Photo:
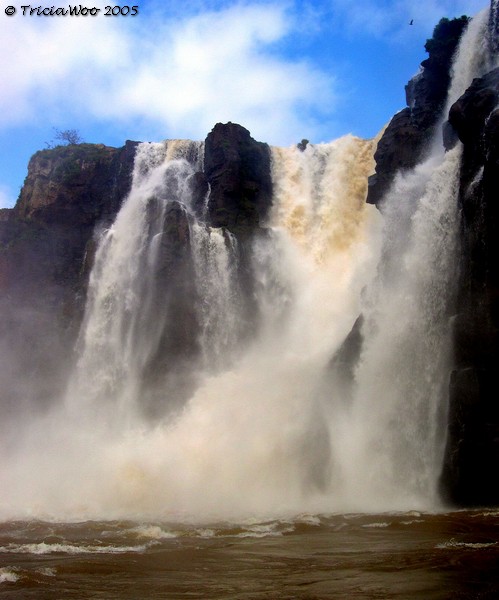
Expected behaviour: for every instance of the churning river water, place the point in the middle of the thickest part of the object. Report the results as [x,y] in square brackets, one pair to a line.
[385,556]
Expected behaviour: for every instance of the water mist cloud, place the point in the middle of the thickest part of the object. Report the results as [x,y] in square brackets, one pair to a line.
[178,74]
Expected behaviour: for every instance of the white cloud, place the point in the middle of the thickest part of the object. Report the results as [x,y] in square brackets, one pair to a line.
[183,75]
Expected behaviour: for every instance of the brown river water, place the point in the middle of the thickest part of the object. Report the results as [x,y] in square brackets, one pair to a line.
[392,555]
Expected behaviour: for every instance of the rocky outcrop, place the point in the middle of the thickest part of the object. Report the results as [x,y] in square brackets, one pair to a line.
[341,367]
[172,319]
[76,184]
[44,242]
[468,116]
[68,190]
[406,136]
[399,148]
[238,171]
[472,454]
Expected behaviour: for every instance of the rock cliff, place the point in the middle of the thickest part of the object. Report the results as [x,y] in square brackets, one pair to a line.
[472,456]
[407,134]
[402,145]
[44,242]
[238,171]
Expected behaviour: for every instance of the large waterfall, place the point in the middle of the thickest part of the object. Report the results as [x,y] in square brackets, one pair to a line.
[249,411]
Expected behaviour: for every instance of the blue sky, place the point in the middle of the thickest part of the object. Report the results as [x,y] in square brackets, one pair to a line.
[285,70]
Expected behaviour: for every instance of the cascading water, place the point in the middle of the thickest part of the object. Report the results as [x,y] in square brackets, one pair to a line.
[390,439]
[216,263]
[242,414]
[127,313]
[248,435]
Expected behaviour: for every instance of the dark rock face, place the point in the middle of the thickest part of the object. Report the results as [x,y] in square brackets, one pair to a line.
[468,116]
[472,455]
[199,189]
[44,241]
[77,184]
[68,191]
[238,171]
[342,365]
[404,140]
[426,93]
[167,373]
[399,148]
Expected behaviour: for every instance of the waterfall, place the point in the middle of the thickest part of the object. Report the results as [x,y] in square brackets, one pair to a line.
[186,404]
[473,58]
[494,26]
[127,313]
[320,211]
[216,264]
[389,441]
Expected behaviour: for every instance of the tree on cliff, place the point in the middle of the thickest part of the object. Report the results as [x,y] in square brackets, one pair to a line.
[64,137]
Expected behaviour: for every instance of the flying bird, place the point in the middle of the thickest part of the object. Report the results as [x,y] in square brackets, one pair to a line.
[412,21]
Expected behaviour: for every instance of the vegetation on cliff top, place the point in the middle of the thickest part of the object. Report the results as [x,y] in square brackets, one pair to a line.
[442,45]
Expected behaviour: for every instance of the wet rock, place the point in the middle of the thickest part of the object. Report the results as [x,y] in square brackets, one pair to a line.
[342,365]
[46,247]
[237,169]
[472,452]
[173,318]
[408,133]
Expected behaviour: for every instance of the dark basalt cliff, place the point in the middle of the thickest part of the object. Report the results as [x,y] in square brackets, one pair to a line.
[472,456]
[238,171]
[408,133]
[44,242]
[45,238]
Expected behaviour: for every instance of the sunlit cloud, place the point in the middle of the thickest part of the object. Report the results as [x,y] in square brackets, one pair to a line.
[183,75]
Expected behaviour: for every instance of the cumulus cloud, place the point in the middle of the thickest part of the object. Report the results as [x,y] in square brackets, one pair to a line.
[182,75]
